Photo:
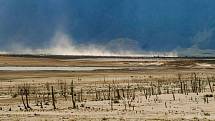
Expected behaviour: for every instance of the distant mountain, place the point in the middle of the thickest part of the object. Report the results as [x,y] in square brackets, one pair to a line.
[155,25]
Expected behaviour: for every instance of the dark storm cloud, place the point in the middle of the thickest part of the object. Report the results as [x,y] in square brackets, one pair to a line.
[155,25]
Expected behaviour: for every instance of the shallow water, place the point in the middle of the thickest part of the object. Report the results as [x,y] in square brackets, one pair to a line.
[54,68]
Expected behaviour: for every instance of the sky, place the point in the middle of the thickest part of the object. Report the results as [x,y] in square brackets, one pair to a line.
[186,27]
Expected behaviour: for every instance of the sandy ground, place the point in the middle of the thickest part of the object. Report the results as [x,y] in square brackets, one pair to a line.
[136,75]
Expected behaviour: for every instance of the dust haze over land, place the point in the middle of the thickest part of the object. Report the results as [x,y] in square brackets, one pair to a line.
[113,27]
[61,44]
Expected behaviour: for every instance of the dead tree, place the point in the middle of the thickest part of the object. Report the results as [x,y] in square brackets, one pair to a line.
[152,89]
[111,104]
[99,95]
[81,95]
[22,96]
[48,91]
[103,93]
[165,105]
[65,91]
[118,94]
[181,83]
[134,94]
[123,93]
[146,93]
[185,88]
[167,89]
[53,98]
[44,98]
[72,94]
[128,91]
[200,86]
[26,91]
[209,82]
[195,83]
[173,95]
[158,88]
[109,93]
[96,94]
[36,99]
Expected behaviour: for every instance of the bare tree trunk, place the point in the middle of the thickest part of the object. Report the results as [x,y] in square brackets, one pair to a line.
[72,93]
[22,96]
[26,97]
[36,98]
[195,83]
[53,98]
[181,83]
[118,94]
[81,95]
[173,95]
[209,82]
[96,94]
[111,104]
[146,93]
[104,95]
[159,89]
[41,104]
[123,93]
[48,90]
[200,87]
[134,94]
[128,91]
[152,89]
[109,93]
[185,88]
[65,91]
